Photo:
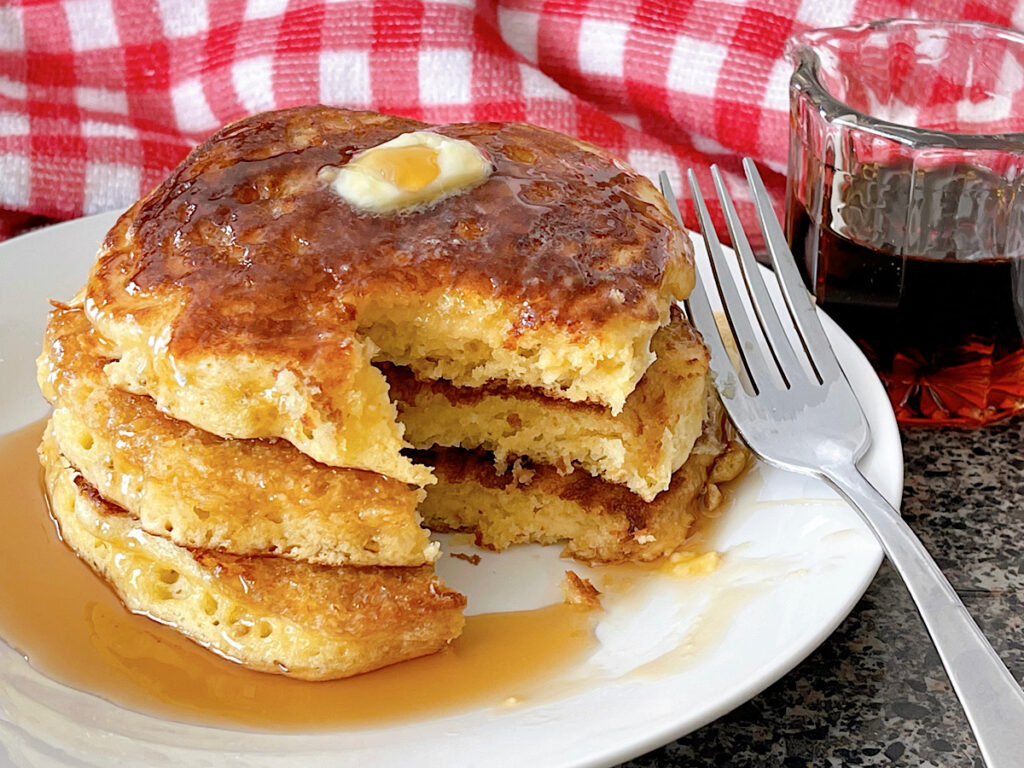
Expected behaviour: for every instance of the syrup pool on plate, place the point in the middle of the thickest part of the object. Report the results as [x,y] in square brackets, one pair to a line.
[73,628]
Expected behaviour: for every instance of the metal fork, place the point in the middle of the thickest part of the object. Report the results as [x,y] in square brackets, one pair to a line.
[806,418]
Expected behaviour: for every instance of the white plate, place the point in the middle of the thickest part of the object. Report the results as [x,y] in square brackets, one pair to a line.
[796,560]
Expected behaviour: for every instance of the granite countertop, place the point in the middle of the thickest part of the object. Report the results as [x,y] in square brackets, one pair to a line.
[875,694]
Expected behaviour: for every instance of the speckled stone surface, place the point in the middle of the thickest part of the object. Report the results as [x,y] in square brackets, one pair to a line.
[875,694]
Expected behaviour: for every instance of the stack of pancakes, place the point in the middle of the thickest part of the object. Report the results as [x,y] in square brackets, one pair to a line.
[239,388]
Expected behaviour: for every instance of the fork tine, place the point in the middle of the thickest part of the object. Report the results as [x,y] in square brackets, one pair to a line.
[698,307]
[801,308]
[764,308]
[758,368]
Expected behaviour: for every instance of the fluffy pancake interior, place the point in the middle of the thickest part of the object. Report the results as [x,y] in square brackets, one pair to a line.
[479,345]
[640,448]
[307,621]
[598,521]
[200,490]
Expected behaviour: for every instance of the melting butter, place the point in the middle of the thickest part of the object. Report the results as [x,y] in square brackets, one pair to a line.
[685,563]
[411,170]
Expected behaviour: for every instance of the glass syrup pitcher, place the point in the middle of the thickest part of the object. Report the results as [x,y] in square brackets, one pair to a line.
[905,209]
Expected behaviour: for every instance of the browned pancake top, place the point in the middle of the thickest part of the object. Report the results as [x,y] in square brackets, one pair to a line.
[260,251]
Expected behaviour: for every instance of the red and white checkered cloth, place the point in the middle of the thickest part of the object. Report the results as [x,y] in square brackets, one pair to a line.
[100,98]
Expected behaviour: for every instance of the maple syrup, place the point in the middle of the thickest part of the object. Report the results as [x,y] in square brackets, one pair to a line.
[72,627]
[896,262]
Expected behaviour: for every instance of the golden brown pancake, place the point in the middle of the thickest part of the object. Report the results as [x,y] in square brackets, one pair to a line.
[307,621]
[598,521]
[200,490]
[247,298]
[640,448]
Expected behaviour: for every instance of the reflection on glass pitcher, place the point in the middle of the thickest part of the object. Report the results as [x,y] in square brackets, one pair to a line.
[905,208]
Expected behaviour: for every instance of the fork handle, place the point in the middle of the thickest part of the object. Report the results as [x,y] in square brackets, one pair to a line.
[991,698]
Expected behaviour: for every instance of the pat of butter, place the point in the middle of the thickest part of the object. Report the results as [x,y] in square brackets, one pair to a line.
[685,563]
[411,170]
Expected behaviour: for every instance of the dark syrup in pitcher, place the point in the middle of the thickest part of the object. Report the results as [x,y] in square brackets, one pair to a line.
[943,331]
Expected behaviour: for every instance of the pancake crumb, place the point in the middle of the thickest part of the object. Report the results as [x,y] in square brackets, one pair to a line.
[579,591]
[522,475]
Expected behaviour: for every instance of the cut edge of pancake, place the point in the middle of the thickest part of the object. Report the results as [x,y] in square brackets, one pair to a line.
[598,521]
[600,367]
[640,448]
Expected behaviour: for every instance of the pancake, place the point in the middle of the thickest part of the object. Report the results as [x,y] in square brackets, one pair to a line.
[306,621]
[202,491]
[249,299]
[640,448]
[598,521]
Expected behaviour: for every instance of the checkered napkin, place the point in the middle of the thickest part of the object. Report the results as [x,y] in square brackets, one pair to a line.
[100,98]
